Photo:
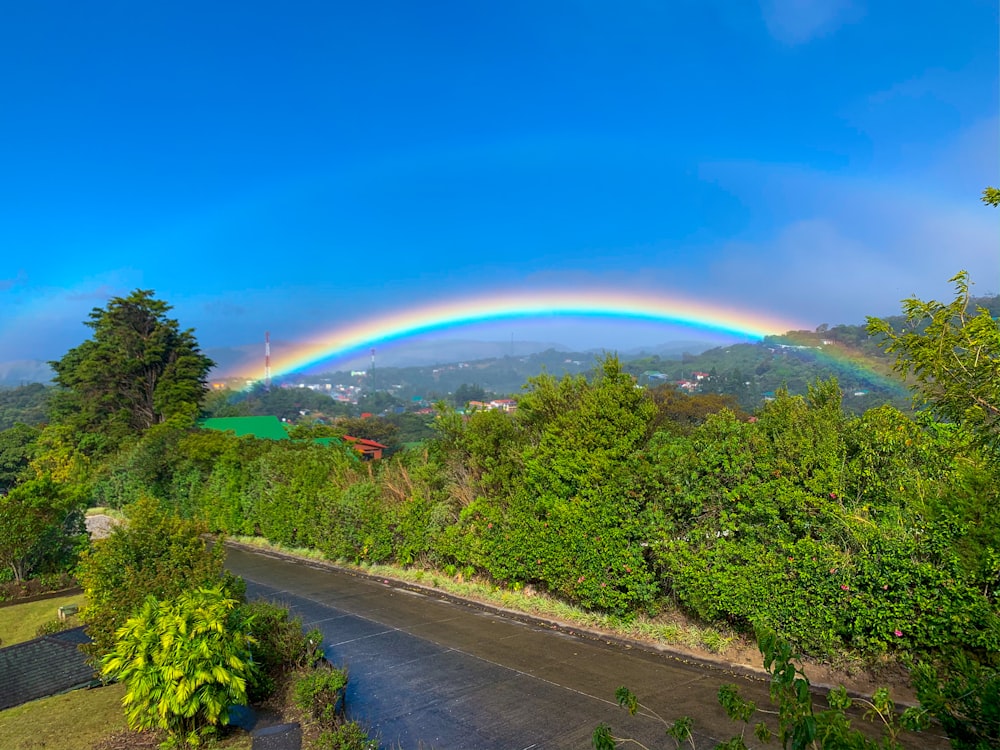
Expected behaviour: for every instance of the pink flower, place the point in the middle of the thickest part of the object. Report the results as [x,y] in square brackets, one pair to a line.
[580,579]
[489,526]
[898,633]
[832,571]
[885,587]
[845,587]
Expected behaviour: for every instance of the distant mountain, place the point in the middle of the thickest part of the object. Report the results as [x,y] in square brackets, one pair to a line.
[668,349]
[22,371]
[249,359]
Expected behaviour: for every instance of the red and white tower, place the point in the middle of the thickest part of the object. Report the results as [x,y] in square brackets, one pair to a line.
[267,359]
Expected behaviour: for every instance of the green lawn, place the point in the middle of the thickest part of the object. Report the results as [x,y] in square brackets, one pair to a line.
[71,721]
[77,721]
[19,622]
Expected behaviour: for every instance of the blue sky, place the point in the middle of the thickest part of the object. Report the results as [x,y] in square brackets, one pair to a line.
[288,167]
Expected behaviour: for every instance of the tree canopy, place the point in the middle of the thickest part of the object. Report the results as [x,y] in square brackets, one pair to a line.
[953,355]
[139,369]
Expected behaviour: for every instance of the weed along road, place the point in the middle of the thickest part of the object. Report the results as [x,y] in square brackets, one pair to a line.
[427,672]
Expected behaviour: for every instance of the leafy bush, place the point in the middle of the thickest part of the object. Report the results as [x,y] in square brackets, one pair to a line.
[347,736]
[56,625]
[320,693]
[278,645]
[184,662]
[156,554]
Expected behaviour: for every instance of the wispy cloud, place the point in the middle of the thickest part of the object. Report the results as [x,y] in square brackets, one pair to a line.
[20,280]
[800,21]
[842,248]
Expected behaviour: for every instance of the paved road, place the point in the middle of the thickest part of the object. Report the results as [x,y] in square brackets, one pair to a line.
[427,672]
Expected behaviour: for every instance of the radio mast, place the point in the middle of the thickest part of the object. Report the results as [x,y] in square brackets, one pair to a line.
[267,360]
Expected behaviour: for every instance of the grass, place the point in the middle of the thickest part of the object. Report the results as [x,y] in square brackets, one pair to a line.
[77,720]
[19,622]
[64,722]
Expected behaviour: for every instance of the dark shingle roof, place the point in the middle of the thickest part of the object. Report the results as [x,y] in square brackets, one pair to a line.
[44,666]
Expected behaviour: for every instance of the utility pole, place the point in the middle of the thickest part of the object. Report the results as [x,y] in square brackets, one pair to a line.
[267,360]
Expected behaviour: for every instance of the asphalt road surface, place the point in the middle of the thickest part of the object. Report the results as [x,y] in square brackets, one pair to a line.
[428,673]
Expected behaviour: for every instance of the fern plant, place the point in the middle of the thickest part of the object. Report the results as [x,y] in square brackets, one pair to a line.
[184,662]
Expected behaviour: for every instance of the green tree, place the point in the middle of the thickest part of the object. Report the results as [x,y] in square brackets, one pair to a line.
[378,402]
[16,452]
[466,393]
[139,369]
[154,553]
[683,412]
[41,527]
[26,403]
[379,429]
[954,358]
[184,662]
[572,518]
[953,355]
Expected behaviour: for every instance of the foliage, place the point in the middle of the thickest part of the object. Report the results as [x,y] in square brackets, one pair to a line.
[184,662]
[371,428]
[16,451]
[558,491]
[682,412]
[953,356]
[154,553]
[964,696]
[954,359]
[377,402]
[347,736]
[55,625]
[138,370]
[25,404]
[285,403]
[799,725]
[832,531]
[278,645]
[41,528]
[468,392]
[142,467]
[679,729]
[413,428]
[320,693]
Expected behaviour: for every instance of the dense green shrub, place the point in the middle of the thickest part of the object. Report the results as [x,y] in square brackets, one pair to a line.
[320,693]
[41,528]
[347,736]
[154,553]
[184,662]
[278,645]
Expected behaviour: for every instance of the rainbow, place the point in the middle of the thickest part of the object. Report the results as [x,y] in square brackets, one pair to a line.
[350,339]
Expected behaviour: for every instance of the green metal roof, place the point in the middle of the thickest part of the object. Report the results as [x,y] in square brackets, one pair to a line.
[264,428]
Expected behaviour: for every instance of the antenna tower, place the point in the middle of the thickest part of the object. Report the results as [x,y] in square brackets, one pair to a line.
[267,359]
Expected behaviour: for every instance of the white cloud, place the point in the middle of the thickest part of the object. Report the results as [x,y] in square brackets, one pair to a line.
[833,249]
